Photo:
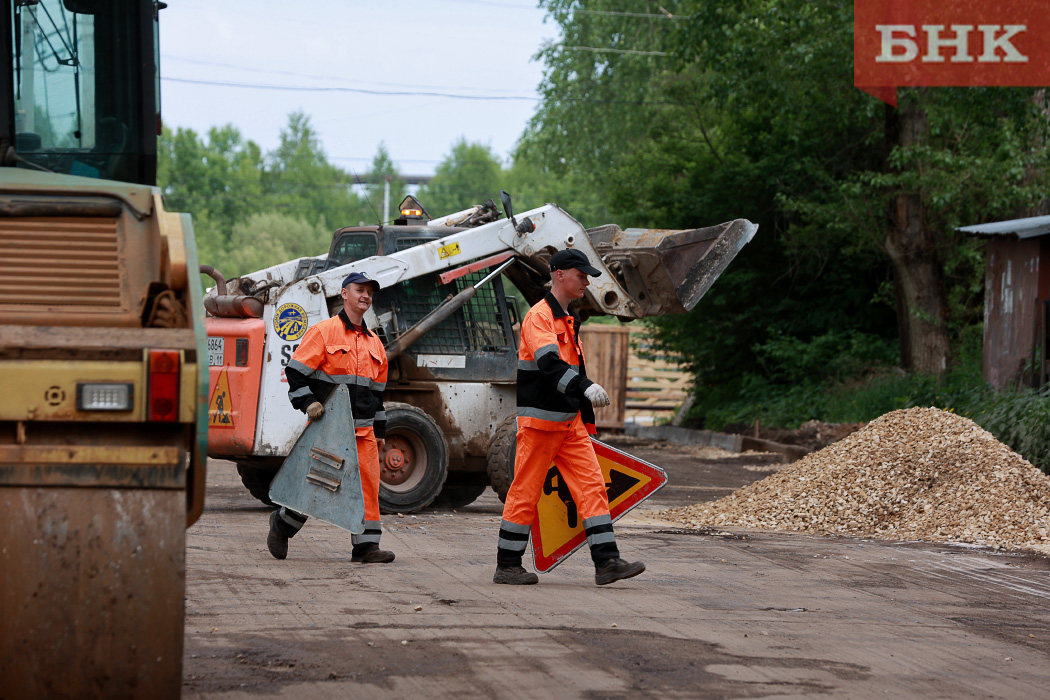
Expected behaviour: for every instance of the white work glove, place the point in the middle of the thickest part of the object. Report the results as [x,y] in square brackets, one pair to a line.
[315,410]
[597,396]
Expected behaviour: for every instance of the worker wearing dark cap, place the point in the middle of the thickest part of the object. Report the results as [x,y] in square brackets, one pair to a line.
[555,420]
[340,350]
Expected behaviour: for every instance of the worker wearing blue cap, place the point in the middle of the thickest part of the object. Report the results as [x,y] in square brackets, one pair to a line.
[340,350]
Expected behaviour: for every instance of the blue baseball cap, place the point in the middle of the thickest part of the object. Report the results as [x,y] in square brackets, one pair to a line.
[361,278]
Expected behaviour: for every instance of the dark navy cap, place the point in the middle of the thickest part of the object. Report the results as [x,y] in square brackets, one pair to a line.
[569,258]
[361,278]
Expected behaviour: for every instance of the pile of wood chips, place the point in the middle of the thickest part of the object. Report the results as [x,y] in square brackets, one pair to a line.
[914,474]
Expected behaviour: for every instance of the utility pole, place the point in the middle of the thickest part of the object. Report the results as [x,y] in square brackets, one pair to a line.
[386,199]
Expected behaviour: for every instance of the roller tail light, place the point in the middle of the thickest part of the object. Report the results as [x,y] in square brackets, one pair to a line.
[163,388]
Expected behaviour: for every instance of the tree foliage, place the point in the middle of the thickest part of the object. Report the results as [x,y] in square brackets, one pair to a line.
[470,174]
[252,210]
[685,114]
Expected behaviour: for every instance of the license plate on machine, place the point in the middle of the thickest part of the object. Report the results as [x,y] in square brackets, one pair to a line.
[216,349]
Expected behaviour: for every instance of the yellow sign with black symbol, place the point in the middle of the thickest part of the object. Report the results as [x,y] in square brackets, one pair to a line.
[557,531]
[220,408]
[447,251]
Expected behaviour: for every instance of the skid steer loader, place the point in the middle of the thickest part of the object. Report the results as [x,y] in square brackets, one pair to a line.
[449,332]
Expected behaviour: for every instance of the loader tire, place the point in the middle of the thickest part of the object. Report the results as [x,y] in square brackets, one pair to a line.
[257,481]
[459,491]
[413,463]
[501,457]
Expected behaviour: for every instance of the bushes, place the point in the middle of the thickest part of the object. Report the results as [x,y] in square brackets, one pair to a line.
[1019,418]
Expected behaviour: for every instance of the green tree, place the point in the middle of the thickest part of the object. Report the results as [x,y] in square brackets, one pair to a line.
[300,182]
[469,175]
[269,238]
[862,176]
[756,116]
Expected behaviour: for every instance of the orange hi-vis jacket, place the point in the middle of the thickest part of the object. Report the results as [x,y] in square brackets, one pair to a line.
[552,375]
[335,351]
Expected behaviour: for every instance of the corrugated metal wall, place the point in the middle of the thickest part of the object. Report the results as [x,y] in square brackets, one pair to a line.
[1014,287]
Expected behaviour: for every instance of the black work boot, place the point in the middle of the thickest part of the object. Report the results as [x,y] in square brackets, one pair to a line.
[276,541]
[515,576]
[616,569]
[371,554]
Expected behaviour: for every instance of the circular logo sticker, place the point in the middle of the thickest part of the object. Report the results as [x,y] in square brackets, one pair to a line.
[290,321]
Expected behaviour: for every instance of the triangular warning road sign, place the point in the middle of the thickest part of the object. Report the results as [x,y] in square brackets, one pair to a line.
[321,477]
[220,407]
[557,531]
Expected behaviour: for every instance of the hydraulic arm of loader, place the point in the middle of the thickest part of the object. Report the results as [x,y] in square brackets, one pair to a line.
[645,272]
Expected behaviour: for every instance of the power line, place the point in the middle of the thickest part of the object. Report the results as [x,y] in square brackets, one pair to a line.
[252,69]
[614,13]
[559,98]
[307,88]
[598,49]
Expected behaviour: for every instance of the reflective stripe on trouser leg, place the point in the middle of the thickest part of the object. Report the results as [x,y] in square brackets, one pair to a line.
[600,538]
[512,541]
[532,459]
[373,530]
[368,465]
[290,522]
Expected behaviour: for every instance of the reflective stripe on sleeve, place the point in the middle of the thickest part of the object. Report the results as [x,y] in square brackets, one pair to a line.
[553,347]
[567,377]
[301,368]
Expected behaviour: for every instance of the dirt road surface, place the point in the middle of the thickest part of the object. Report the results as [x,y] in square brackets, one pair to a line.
[718,614]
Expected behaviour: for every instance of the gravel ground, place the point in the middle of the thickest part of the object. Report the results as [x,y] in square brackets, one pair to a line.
[915,474]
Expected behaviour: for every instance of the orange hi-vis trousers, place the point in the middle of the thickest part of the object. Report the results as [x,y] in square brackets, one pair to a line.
[290,522]
[572,452]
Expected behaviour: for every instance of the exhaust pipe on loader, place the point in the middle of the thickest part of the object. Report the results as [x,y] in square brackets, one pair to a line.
[225,305]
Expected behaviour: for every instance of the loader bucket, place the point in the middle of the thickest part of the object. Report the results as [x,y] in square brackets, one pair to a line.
[666,272]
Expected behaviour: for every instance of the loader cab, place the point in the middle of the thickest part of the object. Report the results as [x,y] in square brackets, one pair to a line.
[476,343]
[81,88]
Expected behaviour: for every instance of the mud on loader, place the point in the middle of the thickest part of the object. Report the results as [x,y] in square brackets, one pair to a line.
[448,329]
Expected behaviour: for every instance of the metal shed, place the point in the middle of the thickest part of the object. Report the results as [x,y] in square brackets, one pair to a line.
[1016,298]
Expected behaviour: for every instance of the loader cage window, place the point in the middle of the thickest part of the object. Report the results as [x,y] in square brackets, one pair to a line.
[482,325]
[354,246]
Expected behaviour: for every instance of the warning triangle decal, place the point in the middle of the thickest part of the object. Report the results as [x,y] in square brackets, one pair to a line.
[220,407]
[557,531]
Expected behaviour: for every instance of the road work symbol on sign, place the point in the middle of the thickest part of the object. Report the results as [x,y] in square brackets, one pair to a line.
[558,530]
[220,408]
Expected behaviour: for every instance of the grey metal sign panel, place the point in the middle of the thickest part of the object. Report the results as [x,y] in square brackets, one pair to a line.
[320,477]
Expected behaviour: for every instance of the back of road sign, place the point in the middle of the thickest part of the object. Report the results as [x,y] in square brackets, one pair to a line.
[320,477]
[558,530]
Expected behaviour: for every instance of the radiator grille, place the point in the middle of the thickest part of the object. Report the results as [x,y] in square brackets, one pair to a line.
[71,263]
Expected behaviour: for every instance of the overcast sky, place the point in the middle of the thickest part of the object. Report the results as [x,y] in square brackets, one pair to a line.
[354,49]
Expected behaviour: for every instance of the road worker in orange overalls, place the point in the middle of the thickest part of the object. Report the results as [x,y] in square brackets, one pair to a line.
[556,404]
[340,350]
